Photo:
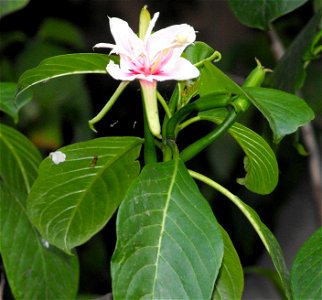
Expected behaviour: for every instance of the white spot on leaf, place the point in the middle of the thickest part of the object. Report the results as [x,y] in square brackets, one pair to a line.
[57,157]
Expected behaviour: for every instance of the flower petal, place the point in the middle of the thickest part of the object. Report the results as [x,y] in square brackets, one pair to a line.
[103,46]
[176,36]
[120,74]
[126,40]
[151,26]
[182,69]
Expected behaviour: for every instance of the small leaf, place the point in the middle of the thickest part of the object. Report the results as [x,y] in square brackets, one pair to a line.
[198,52]
[63,65]
[213,80]
[306,275]
[169,244]
[230,281]
[260,13]
[8,103]
[71,201]
[9,6]
[260,161]
[285,112]
[290,70]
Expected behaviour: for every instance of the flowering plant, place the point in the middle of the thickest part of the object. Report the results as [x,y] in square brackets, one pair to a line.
[169,242]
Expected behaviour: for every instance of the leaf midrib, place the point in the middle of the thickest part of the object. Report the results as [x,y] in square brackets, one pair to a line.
[163,224]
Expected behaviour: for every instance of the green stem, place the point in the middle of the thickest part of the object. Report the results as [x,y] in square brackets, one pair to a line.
[193,149]
[108,105]
[164,105]
[189,122]
[216,56]
[239,203]
[149,151]
[204,103]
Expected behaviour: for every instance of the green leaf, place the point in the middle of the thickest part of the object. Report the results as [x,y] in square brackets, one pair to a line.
[62,65]
[169,244]
[73,200]
[306,275]
[230,281]
[261,13]
[271,244]
[19,160]
[51,30]
[213,80]
[285,112]
[260,161]
[268,239]
[8,103]
[289,74]
[198,52]
[35,270]
[9,6]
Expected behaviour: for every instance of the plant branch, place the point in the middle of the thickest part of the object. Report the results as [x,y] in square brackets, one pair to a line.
[108,105]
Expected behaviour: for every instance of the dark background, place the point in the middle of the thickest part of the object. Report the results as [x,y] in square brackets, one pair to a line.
[289,211]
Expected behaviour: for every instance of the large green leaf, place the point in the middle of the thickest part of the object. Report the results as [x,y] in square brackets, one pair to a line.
[9,6]
[62,65]
[285,112]
[73,200]
[169,244]
[35,270]
[271,244]
[230,281]
[289,73]
[306,274]
[8,103]
[260,13]
[19,160]
[260,161]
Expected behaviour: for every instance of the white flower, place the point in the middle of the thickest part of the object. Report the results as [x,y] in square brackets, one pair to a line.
[57,157]
[155,57]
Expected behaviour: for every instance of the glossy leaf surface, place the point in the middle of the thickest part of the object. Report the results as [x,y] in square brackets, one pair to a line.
[306,275]
[285,112]
[34,269]
[73,200]
[197,52]
[230,281]
[260,13]
[8,103]
[169,244]
[62,65]
[213,80]
[19,160]
[260,162]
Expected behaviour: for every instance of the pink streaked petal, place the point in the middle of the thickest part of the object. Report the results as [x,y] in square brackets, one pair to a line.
[181,70]
[126,40]
[169,37]
[119,74]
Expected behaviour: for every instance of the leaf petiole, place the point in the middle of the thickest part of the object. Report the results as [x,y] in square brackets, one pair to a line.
[108,105]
